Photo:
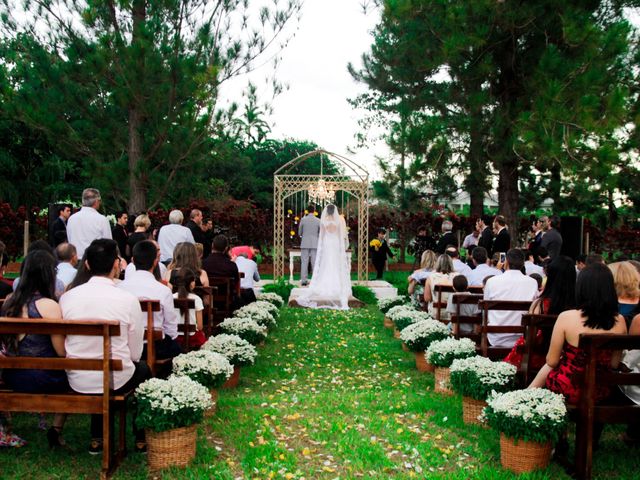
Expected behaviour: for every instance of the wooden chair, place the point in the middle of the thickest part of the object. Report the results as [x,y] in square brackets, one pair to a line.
[185,328]
[152,334]
[499,306]
[439,304]
[206,294]
[588,412]
[459,299]
[222,300]
[105,404]
[537,336]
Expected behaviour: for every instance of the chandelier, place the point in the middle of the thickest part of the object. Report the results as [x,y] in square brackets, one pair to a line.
[321,192]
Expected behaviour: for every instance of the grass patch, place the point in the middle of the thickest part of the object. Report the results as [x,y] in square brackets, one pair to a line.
[364,294]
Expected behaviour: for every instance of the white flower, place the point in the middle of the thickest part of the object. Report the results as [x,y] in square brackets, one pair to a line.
[450,348]
[487,371]
[399,310]
[423,329]
[243,325]
[175,394]
[535,405]
[237,350]
[263,313]
[386,303]
[205,363]
[271,297]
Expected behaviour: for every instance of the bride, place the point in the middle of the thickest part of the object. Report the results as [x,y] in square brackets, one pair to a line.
[330,285]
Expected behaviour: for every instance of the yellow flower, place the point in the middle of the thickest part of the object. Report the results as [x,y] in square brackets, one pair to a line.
[289,211]
[306,211]
[315,213]
[375,243]
[296,218]
[292,233]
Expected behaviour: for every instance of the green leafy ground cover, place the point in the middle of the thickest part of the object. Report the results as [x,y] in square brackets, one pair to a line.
[332,396]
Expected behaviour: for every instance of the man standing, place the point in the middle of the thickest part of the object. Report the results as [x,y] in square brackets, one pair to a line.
[486,235]
[58,229]
[502,242]
[511,285]
[195,225]
[447,237]
[551,238]
[309,231]
[120,234]
[379,253]
[88,225]
[171,235]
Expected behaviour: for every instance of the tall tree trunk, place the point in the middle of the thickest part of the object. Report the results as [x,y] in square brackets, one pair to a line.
[508,196]
[555,186]
[477,176]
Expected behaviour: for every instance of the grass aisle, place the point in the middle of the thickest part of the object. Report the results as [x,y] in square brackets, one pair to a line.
[332,396]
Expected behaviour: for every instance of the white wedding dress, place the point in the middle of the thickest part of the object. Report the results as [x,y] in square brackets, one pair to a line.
[330,286]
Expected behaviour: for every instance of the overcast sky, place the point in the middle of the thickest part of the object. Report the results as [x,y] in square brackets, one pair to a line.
[331,34]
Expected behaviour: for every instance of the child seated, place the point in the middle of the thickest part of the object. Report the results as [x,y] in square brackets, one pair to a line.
[461,285]
[183,287]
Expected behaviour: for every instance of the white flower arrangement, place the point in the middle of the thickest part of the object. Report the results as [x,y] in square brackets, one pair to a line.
[399,310]
[405,318]
[534,414]
[239,352]
[418,336]
[258,314]
[206,367]
[477,376]
[246,328]
[271,297]
[172,403]
[387,304]
[442,353]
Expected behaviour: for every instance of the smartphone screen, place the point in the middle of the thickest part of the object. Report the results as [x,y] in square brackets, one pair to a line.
[503,257]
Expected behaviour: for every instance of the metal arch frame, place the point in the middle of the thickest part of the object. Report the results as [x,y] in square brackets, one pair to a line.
[355,183]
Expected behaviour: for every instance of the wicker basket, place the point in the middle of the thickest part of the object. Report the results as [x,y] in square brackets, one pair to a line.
[443,380]
[233,379]
[521,456]
[175,447]
[471,410]
[421,362]
[396,333]
[387,322]
[214,400]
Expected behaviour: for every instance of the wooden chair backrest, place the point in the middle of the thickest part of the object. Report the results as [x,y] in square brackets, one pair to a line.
[185,305]
[499,305]
[150,307]
[206,294]
[459,299]
[222,301]
[439,304]
[535,344]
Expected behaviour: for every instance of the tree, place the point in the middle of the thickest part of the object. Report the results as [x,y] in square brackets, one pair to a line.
[131,86]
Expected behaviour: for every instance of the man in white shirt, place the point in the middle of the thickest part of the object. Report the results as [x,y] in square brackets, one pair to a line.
[250,270]
[171,235]
[100,298]
[482,270]
[87,225]
[458,265]
[530,267]
[162,268]
[144,286]
[68,259]
[511,285]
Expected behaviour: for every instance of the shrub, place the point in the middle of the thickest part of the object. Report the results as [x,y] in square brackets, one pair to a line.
[281,287]
[477,377]
[407,317]
[364,294]
[387,304]
[271,297]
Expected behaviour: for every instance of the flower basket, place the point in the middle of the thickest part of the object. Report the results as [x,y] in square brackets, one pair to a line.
[239,352]
[402,319]
[246,328]
[442,353]
[472,410]
[477,377]
[521,456]
[443,380]
[405,348]
[271,297]
[387,304]
[233,379]
[421,363]
[396,333]
[208,368]
[171,448]
[387,322]
[418,336]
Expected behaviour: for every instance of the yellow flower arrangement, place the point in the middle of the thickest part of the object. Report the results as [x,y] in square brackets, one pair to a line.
[375,243]
[292,233]
[315,213]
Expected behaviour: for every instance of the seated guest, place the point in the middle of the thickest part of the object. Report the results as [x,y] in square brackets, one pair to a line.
[249,251]
[511,285]
[443,275]
[458,265]
[427,265]
[160,272]
[43,246]
[145,286]
[35,298]
[184,282]
[538,278]
[581,262]
[250,270]
[186,256]
[596,312]
[482,268]
[218,264]
[171,235]
[627,282]
[67,261]
[461,285]
[100,298]
[529,266]
[5,284]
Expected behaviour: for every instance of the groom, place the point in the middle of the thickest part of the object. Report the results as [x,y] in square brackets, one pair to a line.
[309,230]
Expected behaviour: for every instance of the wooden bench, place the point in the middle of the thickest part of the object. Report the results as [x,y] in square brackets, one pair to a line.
[459,299]
[588,412]
[496,353]
[71,402]
[537,337]
[439,304]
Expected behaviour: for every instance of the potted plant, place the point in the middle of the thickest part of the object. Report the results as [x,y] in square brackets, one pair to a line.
[239,352]
[530,422]
[206,367]
[263,313]
[397,311]
[387,304]
[168,411]
[245,328]
[441,355]
[271,297]
[475,378]
[404,318]
[418,336]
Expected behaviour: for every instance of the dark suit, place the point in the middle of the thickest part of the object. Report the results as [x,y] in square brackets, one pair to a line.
[552,241]
[446,239]
[379,258]
[121,236]
[535,244]
[198,235]
[486,240]
[220,265]
[57,232]
[502,242]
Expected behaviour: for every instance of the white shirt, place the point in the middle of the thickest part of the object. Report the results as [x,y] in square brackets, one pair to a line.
[85,226]
[170,236]
[100,298]
[470,240]
[481,272]
[132,268]
[250,270]
[66,273]
[145,286]
[511,285]
[420,275]
[460,267]
[199,306]
[531,267]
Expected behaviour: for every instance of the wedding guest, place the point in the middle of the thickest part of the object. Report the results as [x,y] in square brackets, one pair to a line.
[159,272]
[183,284]
[627,282]
[483,225]
[218,264]
[458,265]
[67,262]
[421,244]
[249,251]
[443,274]
[461,286]
[120,235]
[596,312]
[551,238]
[173,234]
[502,240]
[529,265]
[58,229]
[251,275]
[141,232]
[35,298]
[536,237]
[471,240]
[427,265]
[87,224]
[380,250]
[99,297]
[632,361]
[195,225]
[185,255]
[41,245]
[144,285]
[482,268]
[447,238]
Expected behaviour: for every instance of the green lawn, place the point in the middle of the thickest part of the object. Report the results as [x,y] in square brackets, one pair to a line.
[331,396]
